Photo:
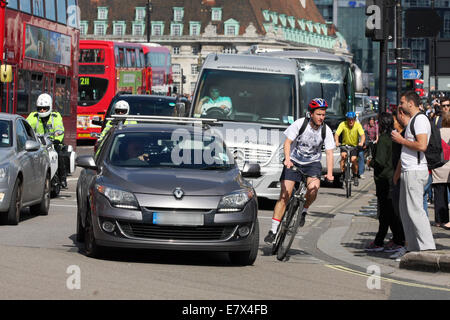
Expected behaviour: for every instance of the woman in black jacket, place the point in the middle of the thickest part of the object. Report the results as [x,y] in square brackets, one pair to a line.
[383,174]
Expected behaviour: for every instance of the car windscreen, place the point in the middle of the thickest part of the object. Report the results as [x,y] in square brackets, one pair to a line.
[246,96]
[150,106]
[173,149]
[328,80]
[5,134]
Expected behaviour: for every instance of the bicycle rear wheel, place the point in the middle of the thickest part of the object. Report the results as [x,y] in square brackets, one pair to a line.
[348,182]
[289,230]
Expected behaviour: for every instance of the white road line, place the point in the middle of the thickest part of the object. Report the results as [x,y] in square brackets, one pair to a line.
[62,205]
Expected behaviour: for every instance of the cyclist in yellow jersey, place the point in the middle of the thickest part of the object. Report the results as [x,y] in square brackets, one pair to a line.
[351,131]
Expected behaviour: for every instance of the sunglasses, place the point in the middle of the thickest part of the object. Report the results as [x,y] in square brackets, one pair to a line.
[445,105]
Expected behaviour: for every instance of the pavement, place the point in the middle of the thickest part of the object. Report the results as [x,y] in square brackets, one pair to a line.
[355,223]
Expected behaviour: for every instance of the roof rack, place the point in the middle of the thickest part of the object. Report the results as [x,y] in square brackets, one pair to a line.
[164,119]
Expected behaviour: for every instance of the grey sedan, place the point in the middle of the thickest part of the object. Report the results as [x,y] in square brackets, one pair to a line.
[165,187]
[24,170]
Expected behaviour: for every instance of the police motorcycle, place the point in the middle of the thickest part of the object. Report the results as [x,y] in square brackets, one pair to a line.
[70,156]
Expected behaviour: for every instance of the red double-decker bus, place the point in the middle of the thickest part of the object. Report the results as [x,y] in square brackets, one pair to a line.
[40,43]
[159,69]
[106,67]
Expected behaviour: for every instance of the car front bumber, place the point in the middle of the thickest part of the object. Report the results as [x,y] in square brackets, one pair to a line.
[136,228]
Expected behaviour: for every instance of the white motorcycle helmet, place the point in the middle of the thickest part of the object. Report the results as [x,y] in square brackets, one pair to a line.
[44,101]
[121,106]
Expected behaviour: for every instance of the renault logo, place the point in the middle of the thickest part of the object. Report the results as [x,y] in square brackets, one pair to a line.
[178,193]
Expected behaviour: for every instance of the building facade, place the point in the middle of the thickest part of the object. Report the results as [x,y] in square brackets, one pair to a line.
[351,24]
[191,29]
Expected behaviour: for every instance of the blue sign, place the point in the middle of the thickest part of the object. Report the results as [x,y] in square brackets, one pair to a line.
[410,74]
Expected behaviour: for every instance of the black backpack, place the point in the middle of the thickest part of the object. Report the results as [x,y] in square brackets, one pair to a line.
[434,153]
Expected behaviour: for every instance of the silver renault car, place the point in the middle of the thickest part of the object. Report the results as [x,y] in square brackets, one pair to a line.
[166,186]
[24,170]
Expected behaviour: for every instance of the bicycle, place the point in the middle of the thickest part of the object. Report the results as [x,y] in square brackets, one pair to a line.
[291,219]
[348,170]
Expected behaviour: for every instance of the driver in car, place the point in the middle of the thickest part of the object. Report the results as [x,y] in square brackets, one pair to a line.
[215,101]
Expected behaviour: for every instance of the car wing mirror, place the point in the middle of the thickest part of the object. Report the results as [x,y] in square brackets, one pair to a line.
[31,146]
[97,121]
[86,162]
[251,170]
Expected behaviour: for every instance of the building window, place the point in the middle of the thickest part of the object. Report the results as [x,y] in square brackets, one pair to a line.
[83,27]
[140,14]
[446,25]
[138,29]
[195,49]
[231,27]
[102,13]
[216,14]
[178,14]
[119,28]
[99,28]
[176,50]
[176,68]
[176,29]
[157,28]
[194,68]
[194,28]
[229,49]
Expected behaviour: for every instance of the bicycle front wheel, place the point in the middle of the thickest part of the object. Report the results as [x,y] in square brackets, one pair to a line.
[289,230]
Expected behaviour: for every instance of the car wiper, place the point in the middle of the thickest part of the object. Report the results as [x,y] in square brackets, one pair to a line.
[216,168]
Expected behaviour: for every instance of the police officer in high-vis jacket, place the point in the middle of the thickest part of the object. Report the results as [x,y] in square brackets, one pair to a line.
[45,120]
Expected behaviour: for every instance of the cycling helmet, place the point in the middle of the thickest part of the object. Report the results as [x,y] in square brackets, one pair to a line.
[123,106]
[44,102]
[350,115]
[317,103]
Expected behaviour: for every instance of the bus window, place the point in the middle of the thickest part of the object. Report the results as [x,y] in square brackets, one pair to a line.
[142,57]
[132,54]
[61,13]
[12,4]
[25,6]
[138,58]
[37,85]
[38,8]
[23,91]
[50,12]
[128,64]
[121,62]
[62,96]
[92,56]
[91,90]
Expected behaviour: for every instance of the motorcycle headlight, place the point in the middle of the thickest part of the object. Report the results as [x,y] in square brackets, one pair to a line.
[119,198]
[235,201]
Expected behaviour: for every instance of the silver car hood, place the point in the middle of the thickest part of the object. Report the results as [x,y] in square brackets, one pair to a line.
[163,181]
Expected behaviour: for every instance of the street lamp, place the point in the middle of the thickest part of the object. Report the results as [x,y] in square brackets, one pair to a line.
[149,8]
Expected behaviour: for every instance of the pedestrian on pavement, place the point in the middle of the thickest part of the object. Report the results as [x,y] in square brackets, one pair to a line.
[412,171]
[441,179]
[444,107]
[371,130]
[383,174]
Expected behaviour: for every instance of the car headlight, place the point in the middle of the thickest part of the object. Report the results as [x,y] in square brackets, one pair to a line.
[235,201]
[3,173]
[119,198]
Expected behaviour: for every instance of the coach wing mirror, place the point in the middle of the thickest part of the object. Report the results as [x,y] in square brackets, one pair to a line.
[181,109]
[86,162]
[357,75]
[97,121]
[251,170]
[5,73]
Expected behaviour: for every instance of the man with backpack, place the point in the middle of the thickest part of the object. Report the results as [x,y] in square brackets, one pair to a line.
[412,170]
[303,148]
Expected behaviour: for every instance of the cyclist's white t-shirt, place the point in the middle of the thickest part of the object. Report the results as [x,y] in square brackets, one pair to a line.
[306,148]
[409,156]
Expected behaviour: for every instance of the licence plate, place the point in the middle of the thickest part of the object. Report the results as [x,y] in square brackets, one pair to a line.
[84,135]
[178,219]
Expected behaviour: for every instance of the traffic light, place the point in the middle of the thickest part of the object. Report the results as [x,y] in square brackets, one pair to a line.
[380,19]
[183,79]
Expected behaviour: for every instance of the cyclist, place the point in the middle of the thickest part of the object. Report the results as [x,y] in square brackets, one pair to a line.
[305,151]
[352,131]
[44,120]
